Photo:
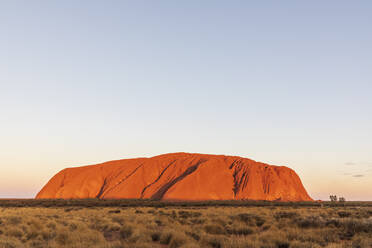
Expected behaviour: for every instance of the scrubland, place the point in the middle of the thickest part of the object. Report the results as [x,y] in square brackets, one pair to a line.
[187,226]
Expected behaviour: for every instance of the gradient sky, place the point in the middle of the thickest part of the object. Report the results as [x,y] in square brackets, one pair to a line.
[283,82]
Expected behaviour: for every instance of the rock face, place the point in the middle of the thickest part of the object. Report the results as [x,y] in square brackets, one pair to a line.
[178,176]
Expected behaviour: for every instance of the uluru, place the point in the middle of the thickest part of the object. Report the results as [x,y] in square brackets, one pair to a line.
[178,176]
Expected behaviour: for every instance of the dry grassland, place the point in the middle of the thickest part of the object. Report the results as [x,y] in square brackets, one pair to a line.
[188,227]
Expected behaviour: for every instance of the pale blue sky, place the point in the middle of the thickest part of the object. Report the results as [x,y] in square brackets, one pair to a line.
[287,83]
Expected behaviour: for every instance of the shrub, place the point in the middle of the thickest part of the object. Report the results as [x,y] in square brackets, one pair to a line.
[114,211]
[63,238]
[69,209]
[118,219]
[353,226]
[333,198]
[32,235]
[344,214]
[177,241]
[281,244]
[9,244]
[214,229]
[14,232]
[246,218]
[240,231]
[332,223]
[197,221]
[194,235]
[188,214]
[155,236]
[159,222]
[112,227]
[51,225]
[259,221]
[360,243]
[14,220]
[48,235]
[250,219]
[36,244]
[285,215]
[309,222]
[126,232]
[212,241]
[166,238]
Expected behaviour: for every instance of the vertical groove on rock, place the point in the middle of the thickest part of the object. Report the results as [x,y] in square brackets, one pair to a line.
[235,175]
[239,176]
[265,181]
[63,180]
[122,180]
[161,192]
[157,179]
[102,188]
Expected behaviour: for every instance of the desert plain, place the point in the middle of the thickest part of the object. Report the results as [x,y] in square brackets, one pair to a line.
[216,224]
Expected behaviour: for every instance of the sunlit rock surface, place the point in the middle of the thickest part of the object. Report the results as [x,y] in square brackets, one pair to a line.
[178,176]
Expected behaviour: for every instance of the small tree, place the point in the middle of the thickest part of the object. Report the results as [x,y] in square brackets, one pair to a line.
[333,198]
[341,199]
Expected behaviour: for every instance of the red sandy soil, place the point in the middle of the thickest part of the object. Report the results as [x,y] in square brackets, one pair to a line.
[178,176]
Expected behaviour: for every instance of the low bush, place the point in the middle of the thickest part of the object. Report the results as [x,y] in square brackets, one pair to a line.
[214,229]
[117,211]
[344,214]
[126,232]
[309,222]
[240,231]
[285,215]
[166,238]
[14,220]
[155,236]
[212,241]
[188,214]
[194,235]
[250,219]
[177,240]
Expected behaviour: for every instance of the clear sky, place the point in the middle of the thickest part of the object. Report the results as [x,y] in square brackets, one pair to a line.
[283,82]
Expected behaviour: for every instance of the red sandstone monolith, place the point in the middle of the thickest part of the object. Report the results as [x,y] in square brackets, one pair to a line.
[178,176]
